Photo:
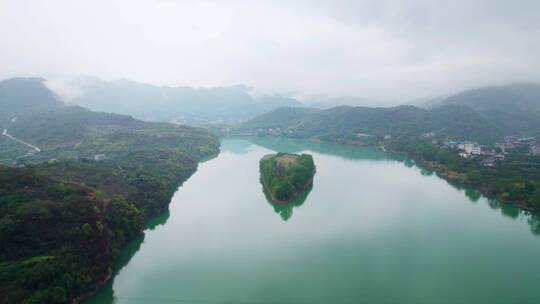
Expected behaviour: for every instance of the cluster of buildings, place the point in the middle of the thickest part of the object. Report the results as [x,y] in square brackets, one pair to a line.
[99,157]
[469,149]
[466,148]
[513,142]
[492,160]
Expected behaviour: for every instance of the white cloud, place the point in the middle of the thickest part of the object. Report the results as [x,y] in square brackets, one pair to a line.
[63,88]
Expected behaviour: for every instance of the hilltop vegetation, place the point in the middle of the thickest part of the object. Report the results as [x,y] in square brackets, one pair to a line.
[286,175]
[74,132]
[281,117]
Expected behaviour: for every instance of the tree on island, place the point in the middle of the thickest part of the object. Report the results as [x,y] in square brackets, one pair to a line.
[285,175]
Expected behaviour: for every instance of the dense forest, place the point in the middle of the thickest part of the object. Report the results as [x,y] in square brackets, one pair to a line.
[57,238]
[286,175]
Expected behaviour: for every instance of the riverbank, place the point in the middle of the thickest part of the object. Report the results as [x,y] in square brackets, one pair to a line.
[463,180]
[460,180]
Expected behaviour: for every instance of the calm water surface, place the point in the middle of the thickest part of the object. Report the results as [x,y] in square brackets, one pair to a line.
[372,230]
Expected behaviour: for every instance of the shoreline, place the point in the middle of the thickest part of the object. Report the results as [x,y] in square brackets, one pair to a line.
[444,173]
[99,285]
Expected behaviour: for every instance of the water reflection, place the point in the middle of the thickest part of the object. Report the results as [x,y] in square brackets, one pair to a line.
[534,224]
[159,220]
[298,145]
[236,146]
[510,211]
[285,210]
[426,171]
[473,195]
[106,293]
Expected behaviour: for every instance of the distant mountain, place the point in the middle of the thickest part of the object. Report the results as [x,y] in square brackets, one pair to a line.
[426,103]
[462,122]
[281,117]
[172,104]
[353,101]
[345,122]
[515,109]
[24,95]
[272,102]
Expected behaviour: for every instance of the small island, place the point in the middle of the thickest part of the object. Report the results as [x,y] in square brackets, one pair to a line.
[286,176]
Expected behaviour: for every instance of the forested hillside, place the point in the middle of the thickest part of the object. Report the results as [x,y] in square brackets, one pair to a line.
[484,115]
[74,132]
[281,117]
[513,108]
[350,123]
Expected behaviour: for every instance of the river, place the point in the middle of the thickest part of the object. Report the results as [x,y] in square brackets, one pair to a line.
[372,229]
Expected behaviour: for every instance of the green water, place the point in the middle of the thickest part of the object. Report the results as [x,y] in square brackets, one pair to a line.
[372,230]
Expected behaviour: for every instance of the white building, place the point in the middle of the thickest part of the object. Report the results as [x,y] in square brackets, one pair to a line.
[464,154]
[470,148]
[99,157]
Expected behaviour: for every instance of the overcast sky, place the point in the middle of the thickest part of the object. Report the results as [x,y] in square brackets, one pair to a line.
[373,48]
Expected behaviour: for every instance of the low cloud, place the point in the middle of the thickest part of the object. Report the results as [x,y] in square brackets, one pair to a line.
[383,50]
[63,89]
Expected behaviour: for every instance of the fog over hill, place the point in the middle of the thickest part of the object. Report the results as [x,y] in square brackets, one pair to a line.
[514,107]
[162,103]
[21,95]
[383,49]
[144,101]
